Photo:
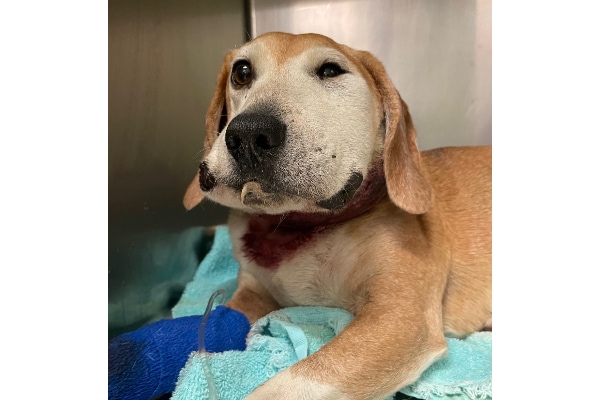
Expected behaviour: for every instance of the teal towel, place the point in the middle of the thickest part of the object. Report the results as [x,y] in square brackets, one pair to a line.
[284,337]
[218,270]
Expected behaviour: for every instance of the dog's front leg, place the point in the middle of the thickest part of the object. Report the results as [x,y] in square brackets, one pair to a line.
[381,351]
[251,298]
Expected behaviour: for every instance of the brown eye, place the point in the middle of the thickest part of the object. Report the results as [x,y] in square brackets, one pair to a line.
[241,74]
[330,70]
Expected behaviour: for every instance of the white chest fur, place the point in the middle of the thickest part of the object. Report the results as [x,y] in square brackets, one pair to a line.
[307,268]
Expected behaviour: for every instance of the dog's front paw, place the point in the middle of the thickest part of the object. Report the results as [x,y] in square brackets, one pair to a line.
[289,386]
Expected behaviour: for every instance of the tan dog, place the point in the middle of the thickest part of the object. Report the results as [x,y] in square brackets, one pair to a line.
[332,204]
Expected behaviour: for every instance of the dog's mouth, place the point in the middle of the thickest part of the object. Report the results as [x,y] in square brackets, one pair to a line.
[343,197]
[263,195]
[356,197]
[253,194]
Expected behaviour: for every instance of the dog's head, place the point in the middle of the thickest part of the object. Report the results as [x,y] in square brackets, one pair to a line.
[302,123]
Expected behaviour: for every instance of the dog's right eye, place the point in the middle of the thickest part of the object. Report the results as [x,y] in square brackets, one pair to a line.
[241,74]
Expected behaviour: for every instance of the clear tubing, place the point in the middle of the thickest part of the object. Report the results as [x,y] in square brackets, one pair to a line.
[212,389]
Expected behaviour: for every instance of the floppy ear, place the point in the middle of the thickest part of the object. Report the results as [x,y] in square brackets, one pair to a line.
[407,187]
[193,195]
[216,119]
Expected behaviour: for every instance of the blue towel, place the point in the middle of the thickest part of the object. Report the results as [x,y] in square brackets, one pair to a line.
[286,336]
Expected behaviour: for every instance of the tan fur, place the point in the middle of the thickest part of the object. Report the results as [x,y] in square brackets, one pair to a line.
[250,292]
[413,268]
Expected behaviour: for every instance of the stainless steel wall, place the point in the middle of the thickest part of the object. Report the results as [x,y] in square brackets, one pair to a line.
[163,60]
[438,54]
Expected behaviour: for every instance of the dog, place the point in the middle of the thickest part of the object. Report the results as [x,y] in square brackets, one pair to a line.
[332,204]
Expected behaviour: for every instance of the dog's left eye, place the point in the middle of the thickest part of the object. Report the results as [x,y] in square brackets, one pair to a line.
[330,70]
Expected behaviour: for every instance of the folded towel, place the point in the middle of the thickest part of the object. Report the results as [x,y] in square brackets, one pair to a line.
[286,336]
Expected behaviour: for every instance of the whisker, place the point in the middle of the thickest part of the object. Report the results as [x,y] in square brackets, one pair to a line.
[280,220]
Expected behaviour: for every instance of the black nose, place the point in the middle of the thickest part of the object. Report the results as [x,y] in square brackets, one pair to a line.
[252,139]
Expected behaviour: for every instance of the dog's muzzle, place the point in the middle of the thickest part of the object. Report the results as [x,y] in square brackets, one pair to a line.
[253,141]
[256,142]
